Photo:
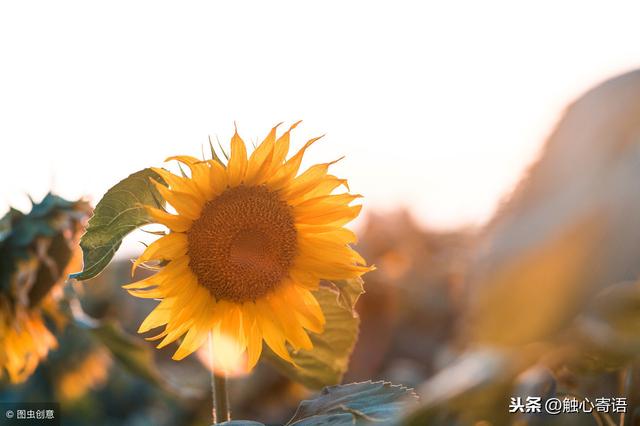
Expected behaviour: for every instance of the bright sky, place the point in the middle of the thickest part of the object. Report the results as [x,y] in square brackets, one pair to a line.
[438,107]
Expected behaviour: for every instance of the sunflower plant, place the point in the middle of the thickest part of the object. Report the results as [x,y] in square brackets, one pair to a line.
[254,259]
[37,252]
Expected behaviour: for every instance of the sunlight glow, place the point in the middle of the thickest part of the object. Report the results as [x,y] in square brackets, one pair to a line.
[438,107]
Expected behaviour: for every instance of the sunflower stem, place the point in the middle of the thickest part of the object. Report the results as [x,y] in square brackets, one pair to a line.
[220,411]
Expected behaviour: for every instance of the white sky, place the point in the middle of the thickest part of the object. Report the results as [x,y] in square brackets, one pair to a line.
[437,106]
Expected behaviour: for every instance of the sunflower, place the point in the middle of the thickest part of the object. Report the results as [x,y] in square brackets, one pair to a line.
[248,243]
[37,252]
[25,340]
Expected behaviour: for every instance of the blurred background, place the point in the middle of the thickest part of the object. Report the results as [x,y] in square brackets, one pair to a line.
[497,146]
[438,107]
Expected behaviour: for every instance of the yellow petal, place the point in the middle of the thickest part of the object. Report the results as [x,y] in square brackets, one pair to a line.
[173,222]
[287,172]
[324,247]
[328,259]
[281,149]
[237,167]
[159,316]
[177,268]
[229,342]
[307,181]
[304,278]
[169,247]
[292,328]
[218,178]
[343,235]
[252,333]
[272,333]
[333,270]
[306,308]
[177,285]
[154,293]
[185,315]
[175,333]
[325,187]
[186,204]
[199,172]
[176,183]
[194,338]
[231,324]
[336,215]
[320,203]
[260,160]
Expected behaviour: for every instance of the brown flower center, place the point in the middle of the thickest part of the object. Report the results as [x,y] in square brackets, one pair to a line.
[243,244]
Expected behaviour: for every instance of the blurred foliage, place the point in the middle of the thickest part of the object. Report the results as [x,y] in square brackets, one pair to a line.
[129,351]
[43,239]
[551,298]
[47,340]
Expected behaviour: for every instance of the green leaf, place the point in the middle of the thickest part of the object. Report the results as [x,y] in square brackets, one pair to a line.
[130,352]
[350,291]
[27,230]
[118,213]
[355,404]
[327,362]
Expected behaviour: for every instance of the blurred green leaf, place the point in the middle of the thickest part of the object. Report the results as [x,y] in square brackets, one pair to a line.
[26,231]
[327,362]
[54,255]
[38,246]
[49,204]
[355,404]
[6,223]
[118,213]
[132,353]
[45,219]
